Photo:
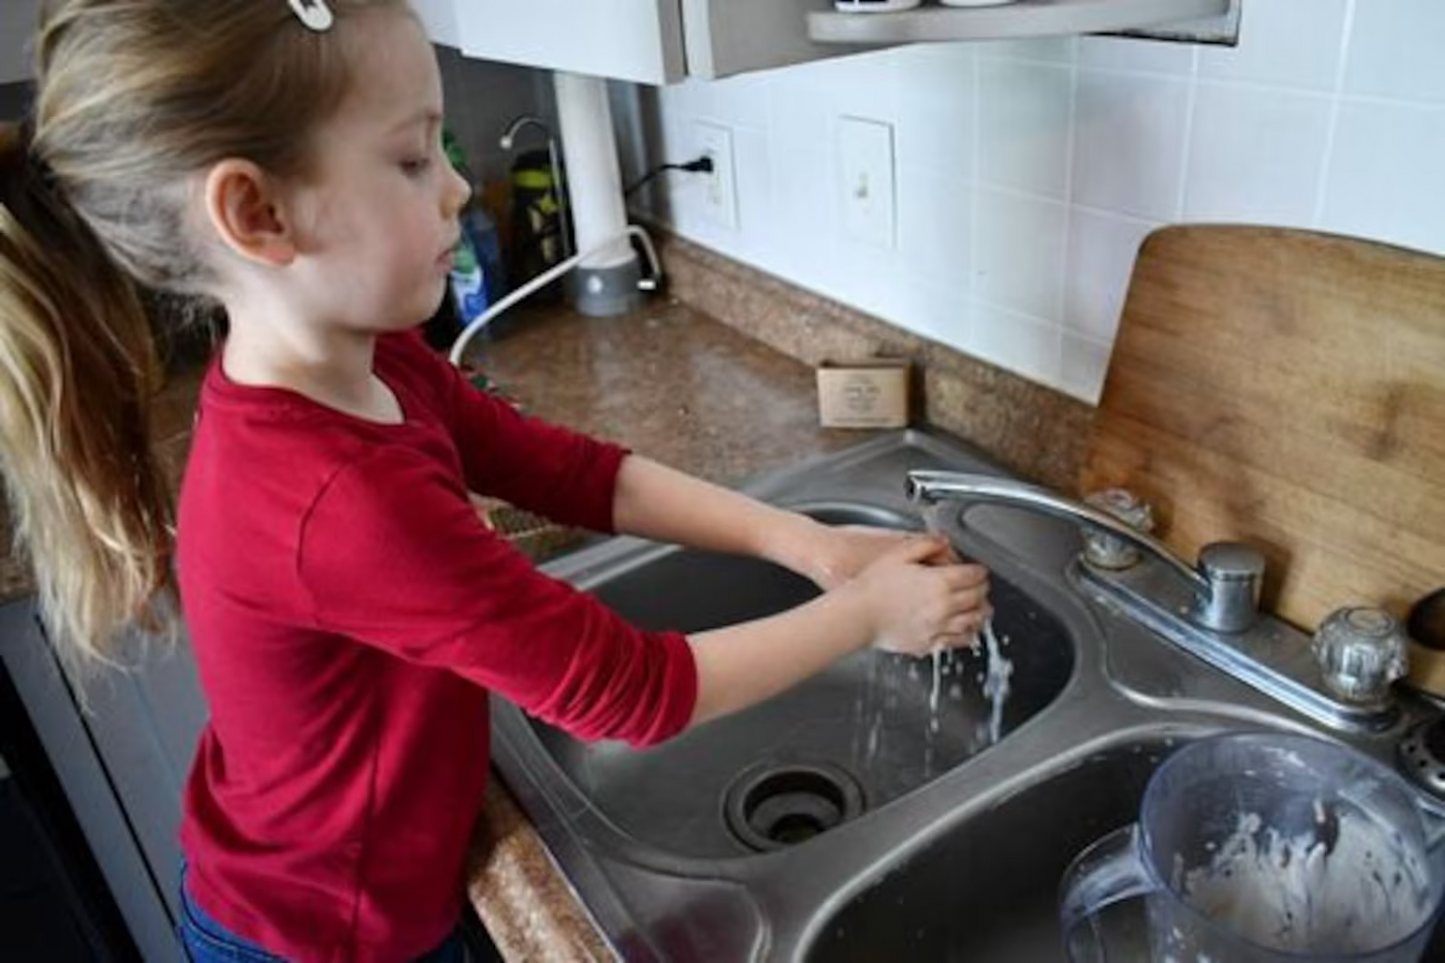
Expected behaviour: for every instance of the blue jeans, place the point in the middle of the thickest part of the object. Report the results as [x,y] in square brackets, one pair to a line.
[207,941]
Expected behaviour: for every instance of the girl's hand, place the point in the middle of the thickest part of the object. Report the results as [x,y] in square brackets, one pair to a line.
[922,598]
[840,554]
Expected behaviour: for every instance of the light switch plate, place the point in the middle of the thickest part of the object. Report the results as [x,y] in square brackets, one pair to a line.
[719,195]
[866,180]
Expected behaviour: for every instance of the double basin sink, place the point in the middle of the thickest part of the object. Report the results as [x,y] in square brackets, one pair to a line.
[881,810]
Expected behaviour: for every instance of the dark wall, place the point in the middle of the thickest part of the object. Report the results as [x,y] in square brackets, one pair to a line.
[14,99]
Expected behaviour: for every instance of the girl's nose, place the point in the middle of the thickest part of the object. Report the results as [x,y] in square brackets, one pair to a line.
[460,191]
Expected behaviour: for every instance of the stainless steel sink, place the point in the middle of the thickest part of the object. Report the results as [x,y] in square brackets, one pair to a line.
[986,887]
[866,731]
[867,814]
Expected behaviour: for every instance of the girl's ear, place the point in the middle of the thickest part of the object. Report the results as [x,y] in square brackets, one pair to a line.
[247,212]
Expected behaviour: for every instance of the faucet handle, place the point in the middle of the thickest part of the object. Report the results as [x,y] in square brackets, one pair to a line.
[1233,572]
[1361,650]
[1107,550]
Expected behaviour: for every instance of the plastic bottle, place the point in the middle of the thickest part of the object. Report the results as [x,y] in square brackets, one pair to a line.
[476,278]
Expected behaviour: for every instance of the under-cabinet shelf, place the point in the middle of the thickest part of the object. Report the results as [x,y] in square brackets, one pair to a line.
[1021,18]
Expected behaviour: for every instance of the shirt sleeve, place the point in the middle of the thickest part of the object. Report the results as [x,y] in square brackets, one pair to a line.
[393,555]
[545,468]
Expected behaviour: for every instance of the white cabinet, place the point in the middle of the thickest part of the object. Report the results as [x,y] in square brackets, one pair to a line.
[638,40]
[1027,18]
[646,41]
[663,41]
[17,29]
[440,19]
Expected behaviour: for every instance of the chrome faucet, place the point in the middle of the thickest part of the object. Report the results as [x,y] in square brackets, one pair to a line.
[1210,609]
[1225,583]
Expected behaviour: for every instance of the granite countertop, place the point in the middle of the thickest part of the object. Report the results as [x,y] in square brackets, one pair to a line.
[669,382]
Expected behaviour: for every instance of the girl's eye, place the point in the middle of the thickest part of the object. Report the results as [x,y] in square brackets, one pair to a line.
[415,166]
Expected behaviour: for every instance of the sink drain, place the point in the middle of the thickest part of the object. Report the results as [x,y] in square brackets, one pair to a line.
[776,805]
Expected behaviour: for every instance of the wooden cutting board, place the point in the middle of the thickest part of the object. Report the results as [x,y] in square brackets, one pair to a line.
[1285,388]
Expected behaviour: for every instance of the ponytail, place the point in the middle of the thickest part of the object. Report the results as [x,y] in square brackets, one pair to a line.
[134,101]
[89,505]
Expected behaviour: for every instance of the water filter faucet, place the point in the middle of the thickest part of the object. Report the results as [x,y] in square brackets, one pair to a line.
[508,142]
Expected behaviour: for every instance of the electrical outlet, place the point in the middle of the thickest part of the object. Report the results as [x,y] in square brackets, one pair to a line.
[866,180]
[720,200]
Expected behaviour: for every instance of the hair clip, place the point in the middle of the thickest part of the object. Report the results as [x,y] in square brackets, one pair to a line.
[315,14]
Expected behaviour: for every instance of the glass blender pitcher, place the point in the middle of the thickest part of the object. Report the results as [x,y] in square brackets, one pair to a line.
[1263,848]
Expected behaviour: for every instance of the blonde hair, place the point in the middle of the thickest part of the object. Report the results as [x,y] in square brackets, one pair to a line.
[134,99]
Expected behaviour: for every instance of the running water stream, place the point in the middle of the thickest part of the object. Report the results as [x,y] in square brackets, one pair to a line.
[999,669]
[877,701]
[995,682]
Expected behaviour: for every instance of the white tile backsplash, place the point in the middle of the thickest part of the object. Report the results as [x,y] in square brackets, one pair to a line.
[1384,174]
[1129,133]
[940,311]
[742,101]
[1122,53]
[1237,175]
[1024,123]
[937,119]
[1018,342]
[691,98]
[1047,50]
[753,185]
[935,209]
[1102,248]
[1029,171]
[1284,43]
[1397,50]
[868,83]
[1019,253]
[1083,363]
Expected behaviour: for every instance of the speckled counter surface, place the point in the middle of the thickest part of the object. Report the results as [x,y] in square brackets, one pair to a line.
[667,381]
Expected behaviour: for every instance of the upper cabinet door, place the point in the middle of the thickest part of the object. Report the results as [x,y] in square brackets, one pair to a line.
[663,41]
[17,30]
[440,19]
[637,40]
[726,37]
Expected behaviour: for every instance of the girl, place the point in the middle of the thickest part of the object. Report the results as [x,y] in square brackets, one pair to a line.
[281,160]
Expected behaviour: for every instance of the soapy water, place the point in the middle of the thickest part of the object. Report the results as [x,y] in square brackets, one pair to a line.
[995,682]
[948,676]
[1351,889]
[947,668]
[995,679]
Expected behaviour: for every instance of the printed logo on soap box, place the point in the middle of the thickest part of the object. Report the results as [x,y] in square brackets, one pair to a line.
[872,393]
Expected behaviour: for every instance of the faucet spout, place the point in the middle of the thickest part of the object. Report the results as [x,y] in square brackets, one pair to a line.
[515,126]
[1225,584]
[508,141]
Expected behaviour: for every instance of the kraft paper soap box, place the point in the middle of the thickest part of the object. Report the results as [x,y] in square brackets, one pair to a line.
[863,394]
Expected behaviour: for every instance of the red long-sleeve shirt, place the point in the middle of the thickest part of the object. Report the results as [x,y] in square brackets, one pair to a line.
[348,614]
